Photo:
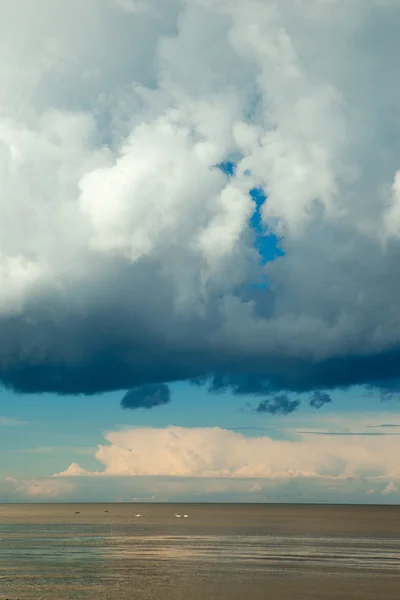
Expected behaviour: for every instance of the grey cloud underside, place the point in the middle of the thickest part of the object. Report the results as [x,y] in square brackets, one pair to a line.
[319,399]
[105,350]
[278,405]
[128,259]
[146,396]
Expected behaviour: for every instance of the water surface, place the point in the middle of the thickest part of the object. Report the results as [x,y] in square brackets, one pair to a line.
[222,551]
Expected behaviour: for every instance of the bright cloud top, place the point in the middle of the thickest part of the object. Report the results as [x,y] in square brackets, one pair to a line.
[127,257]
[219,453]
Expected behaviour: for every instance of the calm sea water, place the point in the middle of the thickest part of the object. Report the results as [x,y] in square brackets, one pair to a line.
[219,551]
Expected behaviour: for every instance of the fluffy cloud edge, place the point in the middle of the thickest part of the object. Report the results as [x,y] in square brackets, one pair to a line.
[216,453]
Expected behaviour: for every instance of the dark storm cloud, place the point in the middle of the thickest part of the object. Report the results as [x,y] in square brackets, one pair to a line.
[123,340]
[126,260]
[146,396]
[278,405]
[120,344]
[319,399]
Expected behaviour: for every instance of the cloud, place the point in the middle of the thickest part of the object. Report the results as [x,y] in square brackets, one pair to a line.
[389,489]
[357,433]
[146,396]
[278,405]
[41,488]
[128,258]
[74,470]
[319,399]
[389,394]
[219,453]
[385,425]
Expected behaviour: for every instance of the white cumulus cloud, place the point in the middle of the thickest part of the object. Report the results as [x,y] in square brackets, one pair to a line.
[220,453]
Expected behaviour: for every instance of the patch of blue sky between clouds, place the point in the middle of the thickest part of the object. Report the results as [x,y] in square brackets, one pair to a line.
[267,243]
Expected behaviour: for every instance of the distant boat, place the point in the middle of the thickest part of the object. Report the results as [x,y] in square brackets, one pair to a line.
[138,515]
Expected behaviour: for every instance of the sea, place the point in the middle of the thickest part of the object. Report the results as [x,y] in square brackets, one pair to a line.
[217,551]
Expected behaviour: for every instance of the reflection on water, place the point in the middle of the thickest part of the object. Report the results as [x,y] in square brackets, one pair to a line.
[115,556]
[260,552]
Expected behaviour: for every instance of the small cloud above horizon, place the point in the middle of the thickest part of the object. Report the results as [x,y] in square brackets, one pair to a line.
[280,404]
[384,425]
[146,396]
[45,488]
[319,399]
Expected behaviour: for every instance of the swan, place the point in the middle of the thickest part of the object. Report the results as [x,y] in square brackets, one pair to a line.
[185,516]
[178,516]
[138,515]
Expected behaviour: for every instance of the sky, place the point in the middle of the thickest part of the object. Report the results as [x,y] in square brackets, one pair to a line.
[199,251]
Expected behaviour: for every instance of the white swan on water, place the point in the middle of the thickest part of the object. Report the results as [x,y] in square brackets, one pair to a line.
[178,516]
[185,516]
[138,515]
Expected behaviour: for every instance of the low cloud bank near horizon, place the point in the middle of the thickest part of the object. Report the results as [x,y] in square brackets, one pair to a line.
[38,489]
[340,458]
[220,453]
[128,257]
[169,489]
